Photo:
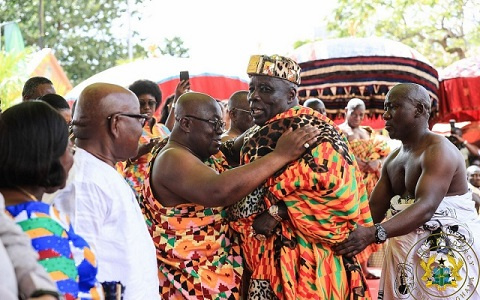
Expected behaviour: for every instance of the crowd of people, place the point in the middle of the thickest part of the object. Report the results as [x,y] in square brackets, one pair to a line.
[262,197]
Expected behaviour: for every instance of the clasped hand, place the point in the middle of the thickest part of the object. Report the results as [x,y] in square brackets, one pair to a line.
[264,224]
[357,240]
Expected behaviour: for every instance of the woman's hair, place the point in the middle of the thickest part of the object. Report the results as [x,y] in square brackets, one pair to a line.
[142,87]
[33,137]
[166,109]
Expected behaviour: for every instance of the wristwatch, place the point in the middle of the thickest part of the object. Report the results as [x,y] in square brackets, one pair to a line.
[380,234]
[273,211]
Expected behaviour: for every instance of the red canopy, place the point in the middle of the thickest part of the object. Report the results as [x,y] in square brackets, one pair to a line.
[460,91]
[219,79]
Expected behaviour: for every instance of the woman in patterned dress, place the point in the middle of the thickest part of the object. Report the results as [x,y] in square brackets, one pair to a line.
[35,157]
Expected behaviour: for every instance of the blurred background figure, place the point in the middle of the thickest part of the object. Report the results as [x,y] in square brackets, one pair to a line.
[240,115]
[469,151]
[166,109]
[369,152]
[473,176]
[367,148]
[36,87]
[60,104]
[149,97]
[316,104]
[35,157]
[225,116]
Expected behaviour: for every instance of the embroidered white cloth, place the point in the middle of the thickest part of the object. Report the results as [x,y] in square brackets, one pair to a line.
[440,260]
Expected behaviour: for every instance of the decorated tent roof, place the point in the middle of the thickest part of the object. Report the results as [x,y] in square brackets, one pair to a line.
[340,69]
[353,47]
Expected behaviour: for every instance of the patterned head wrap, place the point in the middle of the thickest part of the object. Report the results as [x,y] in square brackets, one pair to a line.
[275,66]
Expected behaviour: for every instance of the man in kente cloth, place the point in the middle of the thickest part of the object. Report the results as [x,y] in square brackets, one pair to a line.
[290,222]
[185,192]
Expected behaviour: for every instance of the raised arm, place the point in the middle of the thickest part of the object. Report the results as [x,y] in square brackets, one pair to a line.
[188,178]
[182,87]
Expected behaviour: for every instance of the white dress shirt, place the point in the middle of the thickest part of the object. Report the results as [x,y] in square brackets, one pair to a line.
[104,211]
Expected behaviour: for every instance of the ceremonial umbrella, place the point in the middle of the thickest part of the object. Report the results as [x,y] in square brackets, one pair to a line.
[338,70]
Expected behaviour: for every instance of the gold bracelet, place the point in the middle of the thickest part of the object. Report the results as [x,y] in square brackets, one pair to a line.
[273,211]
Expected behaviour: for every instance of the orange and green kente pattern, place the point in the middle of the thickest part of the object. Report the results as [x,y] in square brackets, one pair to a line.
[134,173]
[197,255]
[369,150]
[326,200]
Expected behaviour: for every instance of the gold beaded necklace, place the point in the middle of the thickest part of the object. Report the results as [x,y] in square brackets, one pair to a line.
[23,191]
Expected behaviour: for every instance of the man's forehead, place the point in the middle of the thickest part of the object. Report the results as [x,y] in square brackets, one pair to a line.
[262,79]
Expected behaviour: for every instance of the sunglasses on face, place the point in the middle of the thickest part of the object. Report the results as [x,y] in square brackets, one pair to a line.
[218,125]
[148,103]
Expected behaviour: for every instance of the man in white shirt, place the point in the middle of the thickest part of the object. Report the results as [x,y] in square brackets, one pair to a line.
[101,205]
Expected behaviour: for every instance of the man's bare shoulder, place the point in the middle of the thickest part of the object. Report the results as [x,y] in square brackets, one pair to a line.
[438,143]
[440,151]
[174,155]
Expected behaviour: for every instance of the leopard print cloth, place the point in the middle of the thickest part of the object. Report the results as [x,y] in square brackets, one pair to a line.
[259,141]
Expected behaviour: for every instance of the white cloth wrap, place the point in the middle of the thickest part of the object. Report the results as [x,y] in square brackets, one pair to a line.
[448,271]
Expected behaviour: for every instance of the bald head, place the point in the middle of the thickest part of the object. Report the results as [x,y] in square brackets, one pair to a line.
[473,170]
[107,122]
[98,101]
[316,104]
[238,100]
[198,124]
[193,103]
[355,103]
[417,94]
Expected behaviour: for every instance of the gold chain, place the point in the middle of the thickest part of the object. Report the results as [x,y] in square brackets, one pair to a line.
[23,191]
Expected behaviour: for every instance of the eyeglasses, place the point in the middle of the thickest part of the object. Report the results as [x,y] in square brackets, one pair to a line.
[148,103]
[244,110]
[218,125]
[140,117]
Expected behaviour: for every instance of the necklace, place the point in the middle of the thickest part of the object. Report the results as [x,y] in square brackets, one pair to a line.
[23,191]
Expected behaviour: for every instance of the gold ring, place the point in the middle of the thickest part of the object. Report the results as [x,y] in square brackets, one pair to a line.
[306,145]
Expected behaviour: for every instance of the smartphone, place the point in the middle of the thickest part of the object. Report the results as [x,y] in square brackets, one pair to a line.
[452,126]
[184,75]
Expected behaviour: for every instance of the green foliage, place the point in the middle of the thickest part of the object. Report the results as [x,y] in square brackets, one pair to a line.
[174,47]
[79,31]
[298,44]
[442,30]
[12,76]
